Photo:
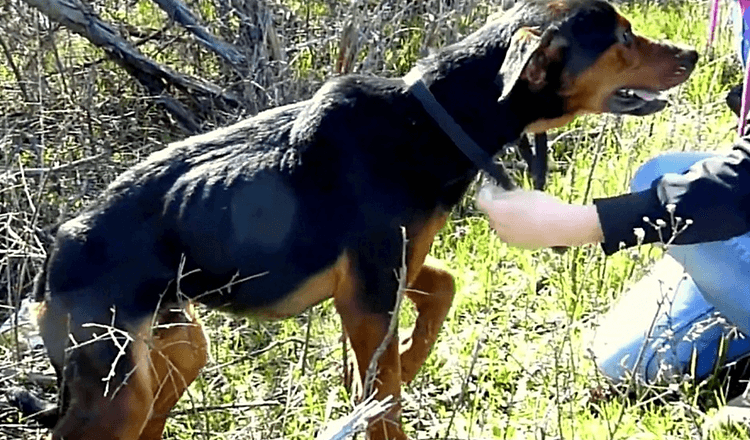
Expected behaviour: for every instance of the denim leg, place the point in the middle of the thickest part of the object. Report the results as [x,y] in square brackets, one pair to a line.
[739,26]
[721,270]
[680,308]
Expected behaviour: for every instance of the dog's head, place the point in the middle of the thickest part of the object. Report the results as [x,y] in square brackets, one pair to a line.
[586,53]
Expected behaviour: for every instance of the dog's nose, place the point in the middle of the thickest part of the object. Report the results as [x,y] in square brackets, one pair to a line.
[688,58]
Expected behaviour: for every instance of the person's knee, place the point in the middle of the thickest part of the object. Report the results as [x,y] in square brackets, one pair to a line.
[618,360]
[644,334]
[672,162]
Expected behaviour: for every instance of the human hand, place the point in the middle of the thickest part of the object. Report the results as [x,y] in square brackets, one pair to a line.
[534,219]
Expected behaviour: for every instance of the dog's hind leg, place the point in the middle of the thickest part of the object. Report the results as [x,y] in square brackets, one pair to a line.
[432,294]
[120,376]
[179,350]
[105,391]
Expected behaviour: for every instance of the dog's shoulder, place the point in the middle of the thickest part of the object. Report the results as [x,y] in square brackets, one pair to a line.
[351,102]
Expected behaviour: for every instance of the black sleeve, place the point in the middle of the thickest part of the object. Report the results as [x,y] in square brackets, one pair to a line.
[709,202]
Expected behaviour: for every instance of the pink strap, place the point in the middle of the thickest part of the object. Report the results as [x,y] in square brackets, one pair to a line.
[745,100]
[744,4]
[714,17]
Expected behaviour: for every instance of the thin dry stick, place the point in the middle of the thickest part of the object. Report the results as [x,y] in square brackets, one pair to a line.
[291,386]
[345,359]
[253,354]
[372,368]
[474,357]
[9,174]
[228,406]
[357,420]
[14,68]
[306,346]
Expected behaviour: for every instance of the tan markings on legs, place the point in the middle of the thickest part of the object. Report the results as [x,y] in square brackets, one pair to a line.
[122,414]
[366,331]
[81,355]
[179,352]
[421,242]
[432,294]
[161,365]
[431,290]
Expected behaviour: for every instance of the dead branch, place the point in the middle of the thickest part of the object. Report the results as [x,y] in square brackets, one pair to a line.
[83,20]
[357,420]
[180,13]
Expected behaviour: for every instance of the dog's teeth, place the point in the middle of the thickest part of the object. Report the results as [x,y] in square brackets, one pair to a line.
[638,93]
[646,95]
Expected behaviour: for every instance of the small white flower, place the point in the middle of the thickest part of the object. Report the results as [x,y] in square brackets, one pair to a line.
[640,234]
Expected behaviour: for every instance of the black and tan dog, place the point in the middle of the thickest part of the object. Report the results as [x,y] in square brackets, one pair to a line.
[306,202]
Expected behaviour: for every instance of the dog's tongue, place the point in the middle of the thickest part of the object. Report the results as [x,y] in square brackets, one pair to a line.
[646,95]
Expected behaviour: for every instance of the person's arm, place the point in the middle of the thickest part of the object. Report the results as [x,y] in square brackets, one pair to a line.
[534,219]
[713,194]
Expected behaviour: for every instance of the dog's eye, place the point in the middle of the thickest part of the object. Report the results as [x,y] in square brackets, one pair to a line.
[626,37]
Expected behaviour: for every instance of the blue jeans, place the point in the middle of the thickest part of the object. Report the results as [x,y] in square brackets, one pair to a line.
[697,297]
[739,28]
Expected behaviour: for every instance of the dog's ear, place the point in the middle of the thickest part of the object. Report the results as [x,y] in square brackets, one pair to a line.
[528,58]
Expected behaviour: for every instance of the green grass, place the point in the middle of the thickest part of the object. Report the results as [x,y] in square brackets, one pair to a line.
[511,359]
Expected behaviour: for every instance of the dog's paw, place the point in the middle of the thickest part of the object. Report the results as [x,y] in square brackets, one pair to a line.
[32,407]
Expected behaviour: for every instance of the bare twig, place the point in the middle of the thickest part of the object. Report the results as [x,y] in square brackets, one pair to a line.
[8,175]
[474,357]
[357,420]
[228,406]
[253,354]
[14,68]
[179,12]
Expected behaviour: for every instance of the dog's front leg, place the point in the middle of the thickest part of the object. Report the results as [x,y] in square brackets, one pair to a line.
[366,331]
[432,293]
[179,350]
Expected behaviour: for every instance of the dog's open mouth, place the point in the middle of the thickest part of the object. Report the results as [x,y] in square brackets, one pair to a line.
[637,102]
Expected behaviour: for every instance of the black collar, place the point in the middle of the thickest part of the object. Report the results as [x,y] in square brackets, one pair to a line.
[460,138]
